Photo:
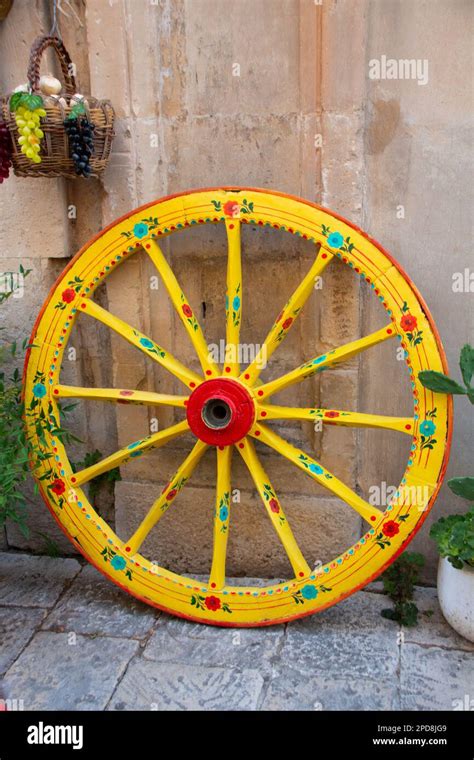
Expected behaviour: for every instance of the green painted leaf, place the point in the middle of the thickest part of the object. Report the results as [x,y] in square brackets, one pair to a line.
[462,487]
[436,381]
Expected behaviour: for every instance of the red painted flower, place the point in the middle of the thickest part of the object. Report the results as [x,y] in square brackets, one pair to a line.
[68,295]
[231,208]
[408,322]
[171,494]
[127,393]
[274,506]
[331,415]
[187,311]
[390,528]
[58,487]
[212,603]
[287,323]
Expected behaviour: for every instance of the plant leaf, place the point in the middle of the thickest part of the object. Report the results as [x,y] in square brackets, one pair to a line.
[436,381]
[466,363]
[462,487]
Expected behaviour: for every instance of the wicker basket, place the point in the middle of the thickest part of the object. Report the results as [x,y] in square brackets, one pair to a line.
[55,160]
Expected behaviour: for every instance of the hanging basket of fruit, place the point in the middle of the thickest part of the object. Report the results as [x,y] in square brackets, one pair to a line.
[54,130]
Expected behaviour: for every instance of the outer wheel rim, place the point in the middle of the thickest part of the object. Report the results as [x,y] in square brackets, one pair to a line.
[183,596]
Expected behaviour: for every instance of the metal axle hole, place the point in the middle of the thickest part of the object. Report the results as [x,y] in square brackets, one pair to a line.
[216,413]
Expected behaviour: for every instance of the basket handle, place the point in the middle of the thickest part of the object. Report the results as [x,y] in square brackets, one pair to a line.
[37,49]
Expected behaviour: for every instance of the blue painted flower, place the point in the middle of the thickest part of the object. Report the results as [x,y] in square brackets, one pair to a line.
[118,563]
[223,514]
[236,303]
[309,592]
[427,427]
[133,445]
[146,342]
[316,468]
[335,240]
[39,390]
[320,359]
[140,230]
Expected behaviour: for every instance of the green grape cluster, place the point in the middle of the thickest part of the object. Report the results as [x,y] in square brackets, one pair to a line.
[31,134]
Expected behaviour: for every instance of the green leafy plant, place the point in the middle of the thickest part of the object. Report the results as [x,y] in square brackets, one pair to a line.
[441,383]
[15,447]
[399,581]
[454,535]
[106,478]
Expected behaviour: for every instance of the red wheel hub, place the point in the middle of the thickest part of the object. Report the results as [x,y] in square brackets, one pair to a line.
[220,411]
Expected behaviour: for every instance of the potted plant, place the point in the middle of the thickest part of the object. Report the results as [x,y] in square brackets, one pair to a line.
[454,535]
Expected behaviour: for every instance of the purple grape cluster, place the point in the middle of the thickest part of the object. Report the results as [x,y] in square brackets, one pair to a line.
[80,132]
[5,152]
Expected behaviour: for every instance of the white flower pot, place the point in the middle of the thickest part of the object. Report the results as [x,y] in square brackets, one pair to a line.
[456,597]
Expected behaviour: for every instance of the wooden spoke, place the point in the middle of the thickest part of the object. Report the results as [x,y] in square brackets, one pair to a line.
[221,517]
[286,318]
[121,395]
[166,498]
[142,342]
[324,361]
[319,473]
[181,304]
[336,417]
[233,298]
[131,451]
[274,509]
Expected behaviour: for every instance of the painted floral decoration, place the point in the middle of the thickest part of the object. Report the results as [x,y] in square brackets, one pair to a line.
[39,390]
[390,528]
[335,240]
[68,295]
[140,230]
[231,208]
[58,487]
[118,562]
[427,427]
[409,325]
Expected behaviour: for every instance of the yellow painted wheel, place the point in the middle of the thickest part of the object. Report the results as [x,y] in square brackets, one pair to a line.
[227,408]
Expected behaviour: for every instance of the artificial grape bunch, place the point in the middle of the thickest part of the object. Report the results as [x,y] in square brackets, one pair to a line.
[5,152]
[29,111]
[80,132]
[31,134]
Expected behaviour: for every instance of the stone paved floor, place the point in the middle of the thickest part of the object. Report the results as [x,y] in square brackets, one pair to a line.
[71,640]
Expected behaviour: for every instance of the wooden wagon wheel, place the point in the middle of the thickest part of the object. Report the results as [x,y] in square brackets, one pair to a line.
[227,408]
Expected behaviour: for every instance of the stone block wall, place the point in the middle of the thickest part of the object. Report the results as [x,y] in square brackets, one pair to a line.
[274,94]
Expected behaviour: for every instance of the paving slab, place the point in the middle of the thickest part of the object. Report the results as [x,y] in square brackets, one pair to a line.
[30,581]
[289,689]
[433,628]
[182,642]
[52,673]
[351,639]
[17,626]
[356,614]
[160,686]
[432,678]
[94,605]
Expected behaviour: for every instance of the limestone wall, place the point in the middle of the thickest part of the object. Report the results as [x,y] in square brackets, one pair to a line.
[276,94]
